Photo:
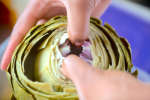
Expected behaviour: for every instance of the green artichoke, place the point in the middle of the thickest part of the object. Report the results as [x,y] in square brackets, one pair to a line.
[34,72]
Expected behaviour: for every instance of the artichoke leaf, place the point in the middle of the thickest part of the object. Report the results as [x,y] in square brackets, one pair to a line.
[34,71]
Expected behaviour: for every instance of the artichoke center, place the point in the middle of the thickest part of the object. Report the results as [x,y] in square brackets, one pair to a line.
[84,51]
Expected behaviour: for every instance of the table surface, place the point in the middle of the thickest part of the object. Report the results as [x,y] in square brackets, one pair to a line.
[136,30]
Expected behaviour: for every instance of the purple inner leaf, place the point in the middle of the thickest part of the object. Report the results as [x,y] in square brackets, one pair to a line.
[83,51]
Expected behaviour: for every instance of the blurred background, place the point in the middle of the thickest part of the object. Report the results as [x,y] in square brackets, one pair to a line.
[130,18]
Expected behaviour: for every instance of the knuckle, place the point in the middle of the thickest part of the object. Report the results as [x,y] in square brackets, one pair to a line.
[92,3]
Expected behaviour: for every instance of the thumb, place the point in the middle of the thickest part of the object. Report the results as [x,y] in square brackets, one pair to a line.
[75,68]
[84,76]
[81,73]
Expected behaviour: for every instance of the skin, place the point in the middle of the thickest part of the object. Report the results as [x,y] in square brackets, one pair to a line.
[96,84]
[39,11]
[91,83]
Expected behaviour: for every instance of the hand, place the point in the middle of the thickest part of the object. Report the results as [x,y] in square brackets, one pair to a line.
[96,84]
[39,11]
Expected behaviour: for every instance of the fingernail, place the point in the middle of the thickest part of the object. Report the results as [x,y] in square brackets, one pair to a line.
[62,67]
[63,70]
[79,42]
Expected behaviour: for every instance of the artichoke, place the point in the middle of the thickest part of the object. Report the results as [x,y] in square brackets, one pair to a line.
[34,71]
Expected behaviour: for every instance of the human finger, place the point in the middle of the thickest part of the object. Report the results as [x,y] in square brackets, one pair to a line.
[100,8]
